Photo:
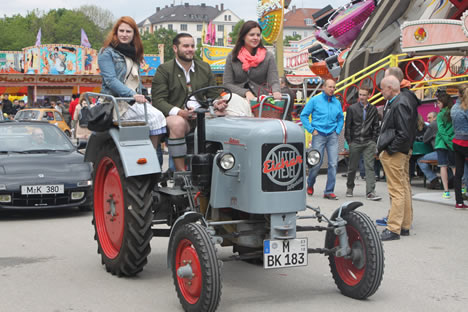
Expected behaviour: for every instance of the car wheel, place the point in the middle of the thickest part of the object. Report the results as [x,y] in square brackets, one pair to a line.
[195,268]
[122,214]
[360,275]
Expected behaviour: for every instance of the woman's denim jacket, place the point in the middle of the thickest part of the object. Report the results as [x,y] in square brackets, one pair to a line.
[113,69]
[459,121]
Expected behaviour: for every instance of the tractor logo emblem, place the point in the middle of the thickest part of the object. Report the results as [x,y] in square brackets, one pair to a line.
[282,165]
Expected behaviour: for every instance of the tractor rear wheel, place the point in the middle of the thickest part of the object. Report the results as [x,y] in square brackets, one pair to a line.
[195,268]
[359,276]
[122,214]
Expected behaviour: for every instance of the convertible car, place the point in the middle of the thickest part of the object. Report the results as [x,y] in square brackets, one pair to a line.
[41,168]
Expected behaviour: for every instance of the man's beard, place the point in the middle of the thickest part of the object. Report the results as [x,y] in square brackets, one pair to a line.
[183,57]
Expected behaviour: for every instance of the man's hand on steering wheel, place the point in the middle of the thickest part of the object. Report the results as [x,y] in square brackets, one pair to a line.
[220,105]
[187,114]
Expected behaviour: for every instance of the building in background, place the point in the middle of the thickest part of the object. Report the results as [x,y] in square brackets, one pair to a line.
[192,19]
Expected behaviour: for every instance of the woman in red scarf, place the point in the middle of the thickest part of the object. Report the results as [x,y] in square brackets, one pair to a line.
[250,70]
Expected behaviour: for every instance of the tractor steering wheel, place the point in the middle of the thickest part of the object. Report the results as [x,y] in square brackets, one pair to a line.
[207,102]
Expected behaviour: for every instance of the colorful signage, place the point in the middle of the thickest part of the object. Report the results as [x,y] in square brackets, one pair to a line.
[270,17]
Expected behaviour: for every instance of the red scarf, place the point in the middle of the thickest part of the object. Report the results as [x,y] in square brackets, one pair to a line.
[248,60]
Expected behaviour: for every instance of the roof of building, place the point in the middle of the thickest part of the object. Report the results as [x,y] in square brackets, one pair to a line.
[295,18]
[183,13]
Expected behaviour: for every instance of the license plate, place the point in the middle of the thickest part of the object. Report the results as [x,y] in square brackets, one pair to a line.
[284,253]
[42,189]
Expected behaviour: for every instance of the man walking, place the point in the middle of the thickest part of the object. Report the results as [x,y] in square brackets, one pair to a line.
[327,123]
[393,145]
[361,133]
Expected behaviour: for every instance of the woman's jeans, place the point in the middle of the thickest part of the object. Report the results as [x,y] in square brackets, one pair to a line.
[330,143]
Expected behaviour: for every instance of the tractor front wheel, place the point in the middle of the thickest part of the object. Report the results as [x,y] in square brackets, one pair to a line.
[195,269]
[359,275]
[122,214]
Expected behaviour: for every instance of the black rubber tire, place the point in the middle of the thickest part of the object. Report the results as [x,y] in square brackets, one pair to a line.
[372,273]
[210,267]
[138,194]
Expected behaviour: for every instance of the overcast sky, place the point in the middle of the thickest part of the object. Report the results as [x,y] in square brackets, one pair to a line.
[141,9]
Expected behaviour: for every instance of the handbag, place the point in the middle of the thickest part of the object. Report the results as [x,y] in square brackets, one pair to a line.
[100,117]
[270,108]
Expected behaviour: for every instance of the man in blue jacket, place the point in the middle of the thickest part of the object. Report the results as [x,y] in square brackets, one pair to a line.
[327,122]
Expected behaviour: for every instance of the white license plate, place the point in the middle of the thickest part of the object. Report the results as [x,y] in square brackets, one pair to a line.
[284,253]
[42,189]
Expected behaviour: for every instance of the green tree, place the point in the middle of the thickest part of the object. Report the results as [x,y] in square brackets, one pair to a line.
[58,26]
[160,36]
[235,31]
[102,18]
[291,38]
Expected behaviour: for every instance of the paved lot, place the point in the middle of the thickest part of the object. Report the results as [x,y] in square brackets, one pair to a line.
[48,262]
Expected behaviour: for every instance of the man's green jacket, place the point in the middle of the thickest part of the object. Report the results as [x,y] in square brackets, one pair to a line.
[170,88]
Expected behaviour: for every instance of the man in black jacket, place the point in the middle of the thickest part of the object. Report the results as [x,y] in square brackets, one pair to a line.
[394,146]
[429,138]
[361,133]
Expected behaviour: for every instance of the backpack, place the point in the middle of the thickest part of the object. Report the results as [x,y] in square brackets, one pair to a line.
[83,117]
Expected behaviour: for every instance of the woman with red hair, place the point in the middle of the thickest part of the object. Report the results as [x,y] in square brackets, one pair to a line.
[119,63]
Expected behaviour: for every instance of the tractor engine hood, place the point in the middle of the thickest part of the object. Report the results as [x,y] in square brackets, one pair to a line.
[269,171]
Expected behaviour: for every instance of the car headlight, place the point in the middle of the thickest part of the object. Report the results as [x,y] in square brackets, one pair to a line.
[77,195]
[226,161]
[313,157]
[84,183]
[5,198]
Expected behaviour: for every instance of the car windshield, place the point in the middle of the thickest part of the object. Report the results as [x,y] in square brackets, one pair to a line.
[27,115]
[32,138]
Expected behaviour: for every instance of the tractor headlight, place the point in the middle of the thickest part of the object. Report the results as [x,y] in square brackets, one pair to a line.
[226,161]
[313,157]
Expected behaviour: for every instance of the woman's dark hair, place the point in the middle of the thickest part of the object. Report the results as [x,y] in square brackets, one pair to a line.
[446,101]
[113,40]
[240,40]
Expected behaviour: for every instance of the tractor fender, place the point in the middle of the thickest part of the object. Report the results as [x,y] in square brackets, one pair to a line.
[188,217]
[345,208]
[131,150]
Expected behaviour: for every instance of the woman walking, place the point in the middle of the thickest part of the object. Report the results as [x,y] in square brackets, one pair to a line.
[443,140]
[459,114]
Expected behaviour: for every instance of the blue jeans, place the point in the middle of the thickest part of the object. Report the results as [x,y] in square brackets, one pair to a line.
[330,142]
[426,168]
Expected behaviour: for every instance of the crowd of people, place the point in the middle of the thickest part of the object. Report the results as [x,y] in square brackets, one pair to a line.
[390,138]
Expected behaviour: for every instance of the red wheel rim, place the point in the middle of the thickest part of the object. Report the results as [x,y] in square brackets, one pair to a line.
[372,82]
[432,59]
[422,67]
[190,287]
[450,65]
[345,95]
[348,272]
[109,220]
[380,74]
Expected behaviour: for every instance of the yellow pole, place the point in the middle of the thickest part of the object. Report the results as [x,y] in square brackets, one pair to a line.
[279,53]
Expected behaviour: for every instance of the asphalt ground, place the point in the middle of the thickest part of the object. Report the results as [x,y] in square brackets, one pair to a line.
[48,262]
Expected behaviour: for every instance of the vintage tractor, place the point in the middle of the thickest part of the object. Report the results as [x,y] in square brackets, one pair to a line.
[244,187]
